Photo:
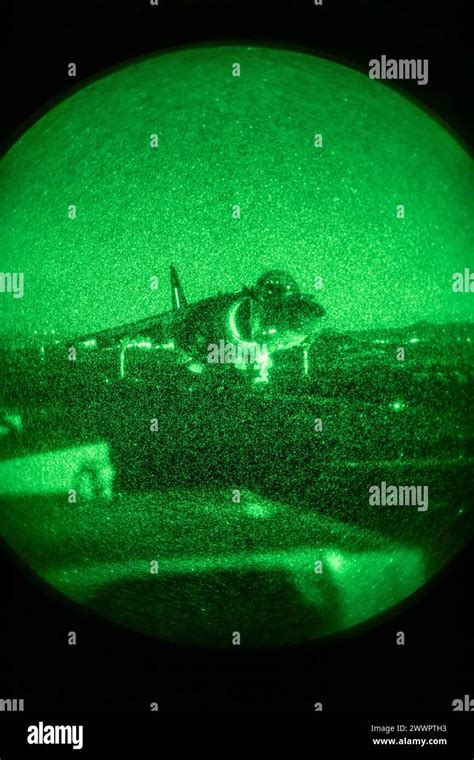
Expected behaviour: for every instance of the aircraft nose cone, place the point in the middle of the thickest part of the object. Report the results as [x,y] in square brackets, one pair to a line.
[292,313]
[286,324]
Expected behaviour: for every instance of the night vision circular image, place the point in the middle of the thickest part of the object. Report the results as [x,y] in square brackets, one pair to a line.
[237,342]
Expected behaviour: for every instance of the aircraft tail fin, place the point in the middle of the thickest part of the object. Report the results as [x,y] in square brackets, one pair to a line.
[178,299]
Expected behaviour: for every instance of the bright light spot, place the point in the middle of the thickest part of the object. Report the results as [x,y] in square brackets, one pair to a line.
[258,511]
[335,560]
[264,363]
[196,368]
[397,406]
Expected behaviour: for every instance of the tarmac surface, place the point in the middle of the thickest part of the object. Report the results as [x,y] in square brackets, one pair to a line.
[192,565]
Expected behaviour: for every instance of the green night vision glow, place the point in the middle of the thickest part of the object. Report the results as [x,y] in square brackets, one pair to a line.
[196,501]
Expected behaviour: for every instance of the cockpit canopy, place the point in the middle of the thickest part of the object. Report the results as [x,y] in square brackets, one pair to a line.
[276,285]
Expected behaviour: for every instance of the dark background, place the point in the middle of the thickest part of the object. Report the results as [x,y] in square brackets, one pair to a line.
[111,668]
[42,37]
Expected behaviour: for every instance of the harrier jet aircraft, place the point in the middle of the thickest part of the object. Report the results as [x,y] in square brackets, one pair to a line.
[244,328]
